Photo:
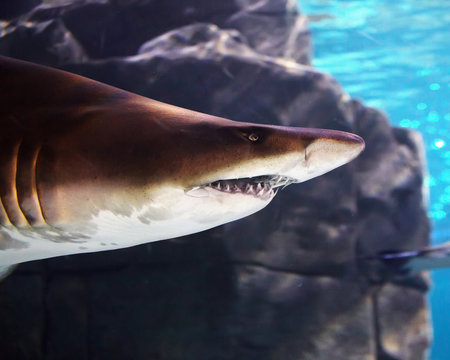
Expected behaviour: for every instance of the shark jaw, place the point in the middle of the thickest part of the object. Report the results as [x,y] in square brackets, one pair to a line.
[261,187]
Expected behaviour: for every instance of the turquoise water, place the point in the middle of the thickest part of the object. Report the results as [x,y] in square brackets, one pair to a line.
[395,56]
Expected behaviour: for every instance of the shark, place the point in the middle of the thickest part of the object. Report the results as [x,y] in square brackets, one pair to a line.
[86,167]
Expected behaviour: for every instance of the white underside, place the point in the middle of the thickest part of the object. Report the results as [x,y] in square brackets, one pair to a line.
[185,216]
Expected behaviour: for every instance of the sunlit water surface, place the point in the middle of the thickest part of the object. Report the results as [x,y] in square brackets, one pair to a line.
[395,56]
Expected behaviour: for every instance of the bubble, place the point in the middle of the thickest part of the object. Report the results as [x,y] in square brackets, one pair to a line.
[437,206]
[445,198]
[437,215]
[430,181]
[433,116]
[415,124]
[438,144]
[421,106]
[405,123]
[423,72]
[434,86]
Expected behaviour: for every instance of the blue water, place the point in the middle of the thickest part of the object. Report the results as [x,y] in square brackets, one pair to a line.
[395,56]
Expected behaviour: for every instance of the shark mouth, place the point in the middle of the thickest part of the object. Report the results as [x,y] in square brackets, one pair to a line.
[263,187]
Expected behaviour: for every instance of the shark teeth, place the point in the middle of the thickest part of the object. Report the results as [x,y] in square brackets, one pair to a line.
[262,186]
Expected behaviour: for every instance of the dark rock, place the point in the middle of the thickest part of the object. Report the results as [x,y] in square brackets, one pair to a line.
[392,215]
[402,313]
[47,42]
[107,28]
[200,57]
[67,302]
[22,317]
[147,309]
[291,282]
[291,316]
[12,9]
[289,33]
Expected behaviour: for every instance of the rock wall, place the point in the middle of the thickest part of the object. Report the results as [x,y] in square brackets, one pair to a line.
[291,282]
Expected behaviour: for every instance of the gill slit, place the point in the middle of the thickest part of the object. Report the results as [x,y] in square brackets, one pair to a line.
[34,184]
[14,182]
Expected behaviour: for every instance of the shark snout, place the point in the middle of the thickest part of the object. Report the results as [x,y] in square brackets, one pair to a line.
[334,149]
[323,151]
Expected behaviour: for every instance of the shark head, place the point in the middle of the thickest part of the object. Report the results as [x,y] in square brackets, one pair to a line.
[217,170]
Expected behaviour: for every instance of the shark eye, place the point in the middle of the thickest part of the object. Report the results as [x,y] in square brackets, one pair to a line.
[253,137]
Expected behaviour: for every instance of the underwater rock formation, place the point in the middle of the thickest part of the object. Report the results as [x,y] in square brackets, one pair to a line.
[11,9]
[106,28]
[290,282]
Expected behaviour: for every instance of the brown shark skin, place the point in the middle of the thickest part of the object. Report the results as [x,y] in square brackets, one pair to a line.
[71,146]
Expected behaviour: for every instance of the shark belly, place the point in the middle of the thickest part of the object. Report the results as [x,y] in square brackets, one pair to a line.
[108,230]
